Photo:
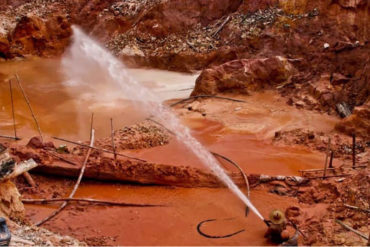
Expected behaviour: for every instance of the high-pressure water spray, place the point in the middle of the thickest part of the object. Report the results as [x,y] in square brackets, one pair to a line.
[86,55]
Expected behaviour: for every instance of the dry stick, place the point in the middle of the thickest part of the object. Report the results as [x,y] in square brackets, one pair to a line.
[26,175]
[13,114]
[112,136]
[82,171]
[357,208]
[332,176]
[206,96]
[326,159]
[10,137]
[29,107]
[331,159]
[156,122]
[61,158]
[353,151]
[123,204]
[351,229]
[222,26]
[315,170]
[29,179]
[95,148]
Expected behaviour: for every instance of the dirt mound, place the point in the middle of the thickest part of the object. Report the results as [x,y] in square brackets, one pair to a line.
[143,135]
[322,227]
[239,76]
[10,201]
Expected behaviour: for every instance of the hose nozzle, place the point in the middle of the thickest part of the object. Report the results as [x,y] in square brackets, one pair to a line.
[267,223]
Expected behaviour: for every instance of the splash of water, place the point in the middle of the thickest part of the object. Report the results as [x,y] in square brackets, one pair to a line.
[85,56]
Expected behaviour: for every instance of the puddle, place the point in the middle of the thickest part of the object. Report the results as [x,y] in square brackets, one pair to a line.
[65,113]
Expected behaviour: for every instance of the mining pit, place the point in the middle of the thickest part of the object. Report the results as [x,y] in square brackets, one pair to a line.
[106,96]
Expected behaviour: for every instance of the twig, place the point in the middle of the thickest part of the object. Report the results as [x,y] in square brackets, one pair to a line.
[353,151]
[205,96]
[29,107]
[333,176]
[112,136]
[95,148]
[43,201]
[245,177]
[315,170]
[61,158]
[357,208]
[82,171]
[156,122]
[10,137]
[326,158]
[331,159]
[352,230]
[222,26]
[12,101]
[29,179]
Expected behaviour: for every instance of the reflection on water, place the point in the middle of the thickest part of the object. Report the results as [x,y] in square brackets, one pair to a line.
[63,113]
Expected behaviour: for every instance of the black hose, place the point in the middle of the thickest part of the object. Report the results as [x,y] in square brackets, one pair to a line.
[210,236]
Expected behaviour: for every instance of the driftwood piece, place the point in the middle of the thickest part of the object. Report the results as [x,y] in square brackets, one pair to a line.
[82,171]
[351,229]
[89,200]
[29,107]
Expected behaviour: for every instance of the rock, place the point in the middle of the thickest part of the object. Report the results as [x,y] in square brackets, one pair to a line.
[35,142]
[242,75]
[343,109]
[337,79]
[35,36]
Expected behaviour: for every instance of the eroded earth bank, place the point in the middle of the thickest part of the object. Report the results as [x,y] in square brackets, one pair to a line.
[280,88]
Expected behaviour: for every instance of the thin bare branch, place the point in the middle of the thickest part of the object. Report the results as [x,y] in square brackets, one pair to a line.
[95,148]
[205,96]
[29,107]
[94,201]
[82,171]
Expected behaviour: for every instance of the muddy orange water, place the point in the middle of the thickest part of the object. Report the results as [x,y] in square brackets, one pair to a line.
[244,137]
